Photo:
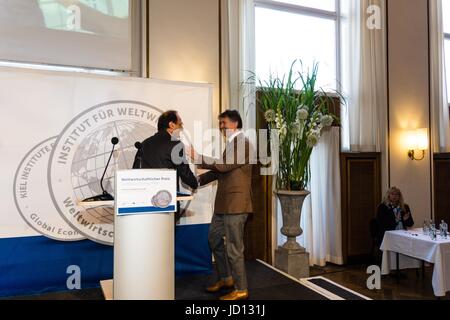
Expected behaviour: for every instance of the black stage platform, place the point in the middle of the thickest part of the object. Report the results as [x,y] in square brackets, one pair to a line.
[267,283]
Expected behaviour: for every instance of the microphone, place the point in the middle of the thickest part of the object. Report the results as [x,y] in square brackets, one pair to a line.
[105,196]
[138,146]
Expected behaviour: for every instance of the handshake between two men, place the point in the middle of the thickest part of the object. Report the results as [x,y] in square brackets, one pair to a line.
[233,202]
[234,160]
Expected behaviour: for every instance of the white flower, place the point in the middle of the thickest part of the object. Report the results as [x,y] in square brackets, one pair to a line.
[296,128]
[312,126]
[301,126]
[312,140]
[283,131]
[327,121]
[270,115]
[317,130]
[279,120]
[302,114]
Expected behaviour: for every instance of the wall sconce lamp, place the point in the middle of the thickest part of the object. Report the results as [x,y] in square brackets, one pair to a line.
[417,143]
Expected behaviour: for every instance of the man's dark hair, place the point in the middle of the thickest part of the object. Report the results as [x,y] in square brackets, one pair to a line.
[166,118]
[233,115]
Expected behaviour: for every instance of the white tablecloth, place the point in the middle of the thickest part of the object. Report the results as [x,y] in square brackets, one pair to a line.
[417,246]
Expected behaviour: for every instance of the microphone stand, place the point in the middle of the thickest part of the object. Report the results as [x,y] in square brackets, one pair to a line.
[105,196]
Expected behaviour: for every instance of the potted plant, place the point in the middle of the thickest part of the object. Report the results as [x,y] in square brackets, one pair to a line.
[296,113]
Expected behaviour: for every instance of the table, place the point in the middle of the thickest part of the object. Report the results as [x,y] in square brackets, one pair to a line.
[413,247]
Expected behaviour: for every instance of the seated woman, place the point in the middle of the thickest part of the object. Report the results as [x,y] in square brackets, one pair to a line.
[393,213]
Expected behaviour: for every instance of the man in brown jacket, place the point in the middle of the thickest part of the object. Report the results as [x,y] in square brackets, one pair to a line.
[232,206]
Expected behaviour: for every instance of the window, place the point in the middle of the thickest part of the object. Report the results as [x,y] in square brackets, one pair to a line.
[446,12]
[298,29]
[96,34]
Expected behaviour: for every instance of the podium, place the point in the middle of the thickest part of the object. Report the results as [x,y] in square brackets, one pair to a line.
[144,232]
[107,286]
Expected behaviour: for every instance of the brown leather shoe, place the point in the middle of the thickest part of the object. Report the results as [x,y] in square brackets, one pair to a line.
[222,283]
[236,295]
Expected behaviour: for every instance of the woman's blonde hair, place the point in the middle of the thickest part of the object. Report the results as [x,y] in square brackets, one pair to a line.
[401,201]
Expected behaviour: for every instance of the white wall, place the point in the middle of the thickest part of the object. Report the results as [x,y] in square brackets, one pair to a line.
[409,100]
[184,42]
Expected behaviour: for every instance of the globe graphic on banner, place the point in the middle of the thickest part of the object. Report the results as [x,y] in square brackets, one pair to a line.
[92,156]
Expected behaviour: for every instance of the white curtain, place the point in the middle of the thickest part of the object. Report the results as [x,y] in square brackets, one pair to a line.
[238,58]
[364,81]
[321,214]
[439,100]
[227,46]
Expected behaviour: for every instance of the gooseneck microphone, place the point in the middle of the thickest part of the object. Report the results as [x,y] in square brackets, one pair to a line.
[138,146]
[105,196]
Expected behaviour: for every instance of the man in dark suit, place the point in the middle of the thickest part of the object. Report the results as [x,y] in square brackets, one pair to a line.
[232,206]
[164,150]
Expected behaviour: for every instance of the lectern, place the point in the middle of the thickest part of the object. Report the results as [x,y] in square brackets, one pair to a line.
[144,230]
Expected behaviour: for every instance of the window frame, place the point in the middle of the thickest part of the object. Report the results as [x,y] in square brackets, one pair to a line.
[317,13]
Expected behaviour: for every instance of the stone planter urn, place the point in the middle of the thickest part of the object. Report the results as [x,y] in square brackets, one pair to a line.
[291,257]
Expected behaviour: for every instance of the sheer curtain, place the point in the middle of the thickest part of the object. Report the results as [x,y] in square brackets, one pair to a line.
[321,213]
[439,100]
[238,58]
[364,70]
[226,52]
[322,220]
[247,60]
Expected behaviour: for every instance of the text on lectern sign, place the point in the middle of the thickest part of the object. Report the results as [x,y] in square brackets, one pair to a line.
[146,191]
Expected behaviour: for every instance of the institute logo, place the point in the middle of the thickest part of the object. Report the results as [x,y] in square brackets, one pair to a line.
[32,197]
[162,199]
[80,154]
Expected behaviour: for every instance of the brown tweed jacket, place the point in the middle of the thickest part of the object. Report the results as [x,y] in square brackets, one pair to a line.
[234,175]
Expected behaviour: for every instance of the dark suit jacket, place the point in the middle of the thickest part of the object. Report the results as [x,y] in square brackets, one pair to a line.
[234,174]
[157,154]
[386,220]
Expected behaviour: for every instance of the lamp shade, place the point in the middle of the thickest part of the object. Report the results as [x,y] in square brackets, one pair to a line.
[421,139]
[411,141]
[417,139]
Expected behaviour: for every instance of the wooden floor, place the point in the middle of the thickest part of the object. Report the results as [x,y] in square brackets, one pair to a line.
[409,287]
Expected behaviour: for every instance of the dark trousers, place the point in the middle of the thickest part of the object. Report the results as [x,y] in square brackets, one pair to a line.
[226,240]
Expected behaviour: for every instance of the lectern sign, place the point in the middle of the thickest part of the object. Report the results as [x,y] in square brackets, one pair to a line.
[146,191]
